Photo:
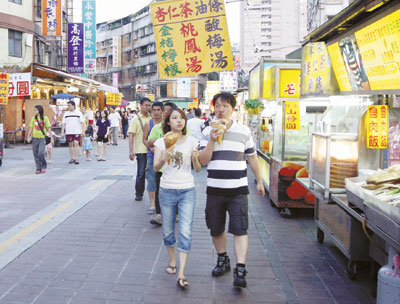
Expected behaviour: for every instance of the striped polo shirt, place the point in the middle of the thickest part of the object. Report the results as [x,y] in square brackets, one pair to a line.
[227,170]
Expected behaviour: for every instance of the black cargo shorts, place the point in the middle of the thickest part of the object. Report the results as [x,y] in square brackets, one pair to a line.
[237,207]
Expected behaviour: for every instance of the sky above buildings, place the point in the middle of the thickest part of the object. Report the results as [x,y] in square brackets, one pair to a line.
[108,10]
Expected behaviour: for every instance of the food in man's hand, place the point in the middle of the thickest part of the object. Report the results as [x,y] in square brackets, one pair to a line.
[221,125]
[170,139]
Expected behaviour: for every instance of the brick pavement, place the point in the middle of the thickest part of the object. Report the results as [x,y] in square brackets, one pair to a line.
[107,252]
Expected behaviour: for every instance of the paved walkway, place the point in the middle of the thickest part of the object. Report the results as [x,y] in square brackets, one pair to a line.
[78,236]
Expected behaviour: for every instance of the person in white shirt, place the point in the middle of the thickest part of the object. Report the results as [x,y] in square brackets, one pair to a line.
[115,119]
[196,125]
[72,127]
[177,190]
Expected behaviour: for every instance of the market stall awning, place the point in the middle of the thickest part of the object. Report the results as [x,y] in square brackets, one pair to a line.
[65,96]
[356,12]
[43,71]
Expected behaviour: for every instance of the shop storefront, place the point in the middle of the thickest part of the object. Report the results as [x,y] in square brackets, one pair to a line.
[282,133]
[46,82]
[357,134]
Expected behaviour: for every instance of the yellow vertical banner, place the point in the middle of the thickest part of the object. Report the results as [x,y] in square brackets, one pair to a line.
[191,37]
[377,127]
[292,115]
[4,81]
[111,99]
[289,86]
[339,67]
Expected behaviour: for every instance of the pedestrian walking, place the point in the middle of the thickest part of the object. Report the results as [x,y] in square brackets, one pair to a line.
[227,185]
[196,125]
[37,126]
[177,189]
[156,114]
[190,114]
[125,124]
[72,128]
[103,129]
[87,145]
[97,116]
[115,120]
[137,148]
[155,133]
[49,147]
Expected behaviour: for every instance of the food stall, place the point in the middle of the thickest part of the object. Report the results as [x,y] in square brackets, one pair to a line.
[357,137]
[282,131]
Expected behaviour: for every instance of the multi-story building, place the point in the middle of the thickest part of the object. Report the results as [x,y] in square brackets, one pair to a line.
[21,32]
[320,11]
[271,29]
[138,65]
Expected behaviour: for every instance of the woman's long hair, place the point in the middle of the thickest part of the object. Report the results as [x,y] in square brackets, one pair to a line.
[166,127]
[41,112]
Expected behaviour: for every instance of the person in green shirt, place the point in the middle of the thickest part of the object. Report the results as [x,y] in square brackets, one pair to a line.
[38,127]
[155,133]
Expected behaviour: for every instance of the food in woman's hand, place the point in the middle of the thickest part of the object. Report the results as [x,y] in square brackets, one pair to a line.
[221,125]
[170,139]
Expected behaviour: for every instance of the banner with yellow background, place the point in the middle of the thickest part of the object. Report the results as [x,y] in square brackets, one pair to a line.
[4,80]
[377,124]
[191,37]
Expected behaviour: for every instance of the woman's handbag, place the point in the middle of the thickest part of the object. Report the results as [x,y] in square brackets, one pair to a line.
[48,139]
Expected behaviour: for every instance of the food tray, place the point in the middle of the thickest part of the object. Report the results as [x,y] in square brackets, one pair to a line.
[354,191]
[382,215]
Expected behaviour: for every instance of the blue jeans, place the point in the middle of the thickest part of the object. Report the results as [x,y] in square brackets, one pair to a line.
[125,130]
[38,149]
[151,175]
[141,173]
[184,200]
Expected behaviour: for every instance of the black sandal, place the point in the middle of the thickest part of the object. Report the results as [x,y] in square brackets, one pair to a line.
[182,283]
[173,269]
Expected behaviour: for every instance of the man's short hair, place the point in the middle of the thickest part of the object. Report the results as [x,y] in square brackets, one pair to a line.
[224,96]
[197,112]
[157,104]
[144,99]
[170,104]
[71,102]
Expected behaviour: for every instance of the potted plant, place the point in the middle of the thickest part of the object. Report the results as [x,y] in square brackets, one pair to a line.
[253,106]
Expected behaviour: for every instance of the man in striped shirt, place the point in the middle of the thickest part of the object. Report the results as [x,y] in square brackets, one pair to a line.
[227,185]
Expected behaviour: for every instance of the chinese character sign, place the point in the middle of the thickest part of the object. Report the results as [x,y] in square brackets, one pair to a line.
[4,88]
[89,24]
[113,99]
[292,115]
[316,69]
[75,48]
[19,84]
[229,81]
[117,52]
[115,80]
[212,88]
[289,83]
[377,127]
[52,19]
[379,47]
[191,37]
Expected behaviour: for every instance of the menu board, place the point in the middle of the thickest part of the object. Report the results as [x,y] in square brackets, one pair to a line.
[369,59]
[379,45]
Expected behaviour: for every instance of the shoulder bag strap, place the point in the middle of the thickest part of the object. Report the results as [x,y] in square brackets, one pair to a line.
[41,129]
[141,122]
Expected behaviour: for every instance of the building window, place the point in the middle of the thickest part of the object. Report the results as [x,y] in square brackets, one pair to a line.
[15,43]
[142,32]
[39,8]
[128,56]
[15,1]
[163,90]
